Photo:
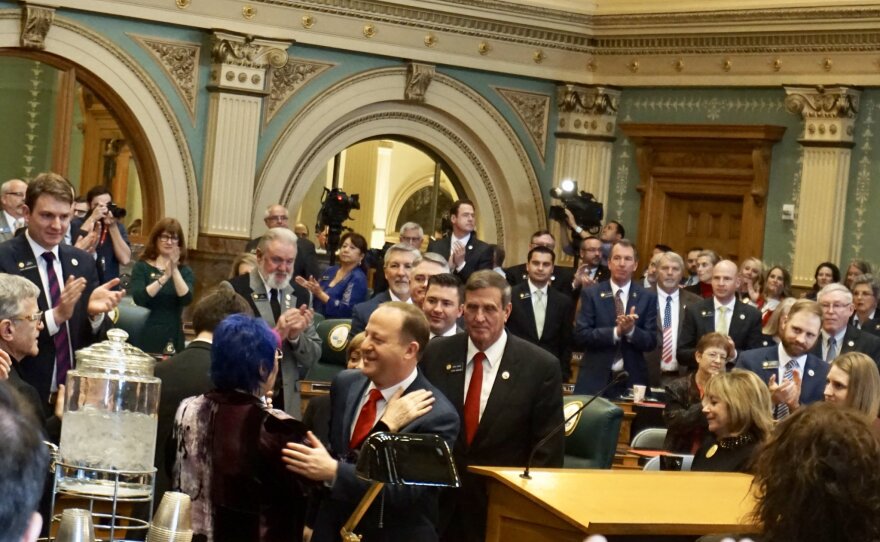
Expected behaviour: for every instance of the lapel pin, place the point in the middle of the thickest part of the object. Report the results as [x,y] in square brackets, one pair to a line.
[74,262]
[505,375]
[851,343]
[522,295]
[448,366]
[20,265]
[811,372]
[742,316]
[287,297]
[470,247]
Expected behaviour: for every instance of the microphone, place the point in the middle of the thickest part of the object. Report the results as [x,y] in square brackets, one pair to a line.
[620,377]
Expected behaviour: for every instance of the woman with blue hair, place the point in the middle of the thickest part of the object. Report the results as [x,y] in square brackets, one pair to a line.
[228,443]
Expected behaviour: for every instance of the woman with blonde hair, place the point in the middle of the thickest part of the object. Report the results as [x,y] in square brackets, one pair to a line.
[738,410]
[243,264]
[751,280]
[854,381]
[773,330]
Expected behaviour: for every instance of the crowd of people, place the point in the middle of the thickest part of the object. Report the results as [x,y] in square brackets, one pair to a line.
[444,341]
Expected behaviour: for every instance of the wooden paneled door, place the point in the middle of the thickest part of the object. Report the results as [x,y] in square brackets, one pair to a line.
[703,185]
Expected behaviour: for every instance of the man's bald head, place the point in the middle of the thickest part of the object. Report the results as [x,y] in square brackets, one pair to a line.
[725,281]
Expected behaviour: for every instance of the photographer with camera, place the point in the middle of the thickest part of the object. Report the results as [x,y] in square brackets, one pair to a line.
[107,238]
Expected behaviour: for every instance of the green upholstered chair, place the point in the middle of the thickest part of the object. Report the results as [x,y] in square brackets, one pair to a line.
[132,319]
[334,341]
[591,437]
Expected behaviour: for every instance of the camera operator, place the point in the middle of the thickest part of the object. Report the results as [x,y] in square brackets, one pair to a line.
[102,234]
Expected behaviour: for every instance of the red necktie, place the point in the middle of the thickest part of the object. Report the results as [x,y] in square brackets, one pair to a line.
[472,400]
[366,420]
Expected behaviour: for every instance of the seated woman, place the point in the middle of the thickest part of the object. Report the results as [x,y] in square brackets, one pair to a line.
[772,331]
[817,479]
[751,280]
[162,283]
[737,407]
[826,273]
[342,286]
[854,381]
[686,428]
[228,443]
[777,286]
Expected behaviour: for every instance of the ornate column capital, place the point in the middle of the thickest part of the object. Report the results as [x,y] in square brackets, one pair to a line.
[587,112]
[829,113]
[36,21]
[240,62]
[418,78]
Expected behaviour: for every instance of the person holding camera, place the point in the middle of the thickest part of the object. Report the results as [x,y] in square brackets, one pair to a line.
[108,240]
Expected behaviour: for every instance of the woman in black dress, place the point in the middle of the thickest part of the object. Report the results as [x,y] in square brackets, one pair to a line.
[737,407]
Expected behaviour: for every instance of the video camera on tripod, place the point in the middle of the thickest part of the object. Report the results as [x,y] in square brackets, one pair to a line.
[336,207]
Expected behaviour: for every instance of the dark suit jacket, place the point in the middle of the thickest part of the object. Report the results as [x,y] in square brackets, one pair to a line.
[408,512]
[854,340]
[477,255]
[699,319]
[50,422]
[297,358]
[872,326]
[556,335]
[812,381]
[652,358]
[522,409]
[186,374]
[560,281]
[361,312]
[17,258]
[594,332]
[306,262]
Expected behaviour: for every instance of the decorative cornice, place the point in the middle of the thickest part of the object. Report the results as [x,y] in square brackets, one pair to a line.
[823,15]
[829,113]
[35,24]
[418,78]
[587,100]
[284,82]
[533,110]
[246,51]
[180,62]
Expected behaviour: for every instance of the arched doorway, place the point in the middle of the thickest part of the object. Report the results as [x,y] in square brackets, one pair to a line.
[454,122]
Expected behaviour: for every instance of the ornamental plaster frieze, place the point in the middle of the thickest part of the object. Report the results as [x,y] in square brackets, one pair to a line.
[180,62]
[418,79]
[35,24]
[286,81]
[533,110]
[240,63]
[829,113]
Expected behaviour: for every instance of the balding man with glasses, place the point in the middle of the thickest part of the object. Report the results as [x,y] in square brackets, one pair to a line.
[838,336]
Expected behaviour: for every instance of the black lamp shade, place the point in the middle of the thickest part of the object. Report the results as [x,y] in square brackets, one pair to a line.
[407,459]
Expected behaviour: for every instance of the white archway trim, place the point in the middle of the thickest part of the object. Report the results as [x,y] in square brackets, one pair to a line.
[141,94]
[454,121]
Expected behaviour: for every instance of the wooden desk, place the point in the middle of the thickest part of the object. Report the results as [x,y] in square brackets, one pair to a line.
[561,505]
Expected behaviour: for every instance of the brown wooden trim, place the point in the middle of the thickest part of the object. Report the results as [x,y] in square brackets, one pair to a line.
[61,134]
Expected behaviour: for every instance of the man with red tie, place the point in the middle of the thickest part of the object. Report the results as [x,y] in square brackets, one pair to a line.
[508,393]
[389,394]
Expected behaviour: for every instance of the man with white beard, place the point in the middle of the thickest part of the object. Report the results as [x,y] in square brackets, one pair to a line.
[287,307]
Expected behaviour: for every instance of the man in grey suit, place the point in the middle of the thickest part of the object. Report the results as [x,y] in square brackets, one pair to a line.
[287,307]
[663,365]
[12,194]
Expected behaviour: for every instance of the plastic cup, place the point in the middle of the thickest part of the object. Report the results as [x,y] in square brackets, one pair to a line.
[639,393]
[161,534]
[75,526]
[173,513]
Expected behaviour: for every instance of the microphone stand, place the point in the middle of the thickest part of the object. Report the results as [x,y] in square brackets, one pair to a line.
[621,376]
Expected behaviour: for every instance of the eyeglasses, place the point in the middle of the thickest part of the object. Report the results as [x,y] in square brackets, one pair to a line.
[166,238]
[35,317]
[834,306]
[715,355]
[17,194]
[413,240]
[863,294]
[277,218]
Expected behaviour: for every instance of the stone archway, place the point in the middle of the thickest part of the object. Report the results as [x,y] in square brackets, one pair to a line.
[176,190]
[454,121]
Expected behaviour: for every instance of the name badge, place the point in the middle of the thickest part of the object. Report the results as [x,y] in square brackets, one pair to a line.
[453,368]
[770,364]
[524,295]
[155,275]
[259,297]
[27,266]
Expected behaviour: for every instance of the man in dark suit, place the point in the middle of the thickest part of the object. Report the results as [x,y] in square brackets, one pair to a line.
[442,306]
[399,260]
[285,306]
[837,336]
[72,302]
[663,365]
[540,314]
[723,313]
[12,194]
[188,373]
[306,264]
[616,325]
[508,393]
[562,277]
[590,271]
[794,375]
[466,253]
[389,394]
[411,234]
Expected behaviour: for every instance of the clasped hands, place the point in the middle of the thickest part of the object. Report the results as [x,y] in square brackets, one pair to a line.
[626,322]
[294,321]
[314,462]
[788,392]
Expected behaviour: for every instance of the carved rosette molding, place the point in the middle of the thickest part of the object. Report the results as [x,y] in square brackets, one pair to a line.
[533,110]
[240,62]
[180,62]
[35,24]
[284,82]
[418,78]
[588,112]
[829,113]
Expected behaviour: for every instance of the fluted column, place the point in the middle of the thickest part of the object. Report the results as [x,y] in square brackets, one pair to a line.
[237,87]
[829,124]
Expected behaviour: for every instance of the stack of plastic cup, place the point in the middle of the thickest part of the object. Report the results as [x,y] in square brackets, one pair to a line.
[76,526]
[172,522]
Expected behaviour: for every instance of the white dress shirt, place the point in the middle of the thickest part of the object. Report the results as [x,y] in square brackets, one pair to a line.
[490,367]
[674,310]
[382,403]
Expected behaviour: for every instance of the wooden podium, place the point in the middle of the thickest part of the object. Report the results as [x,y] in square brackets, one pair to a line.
[561,505]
